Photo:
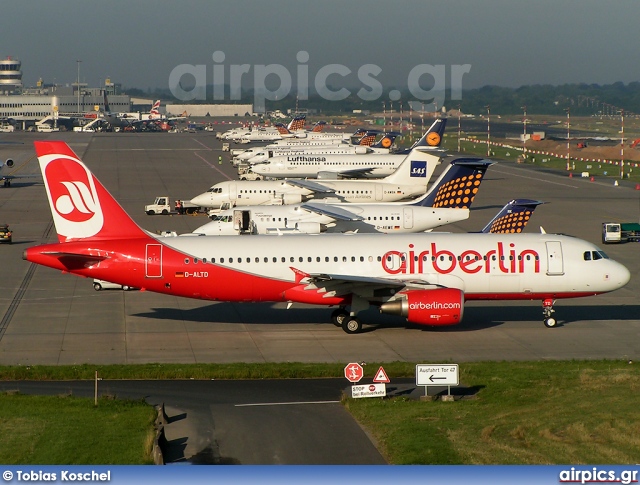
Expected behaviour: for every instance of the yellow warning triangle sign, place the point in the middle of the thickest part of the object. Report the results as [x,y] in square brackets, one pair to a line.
[381,376]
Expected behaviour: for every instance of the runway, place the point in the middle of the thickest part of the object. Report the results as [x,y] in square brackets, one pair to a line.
[51,318]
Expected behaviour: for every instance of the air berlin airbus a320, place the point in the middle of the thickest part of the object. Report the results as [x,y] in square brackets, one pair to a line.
[423,277]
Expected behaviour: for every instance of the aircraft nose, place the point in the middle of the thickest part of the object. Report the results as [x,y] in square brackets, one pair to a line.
[625,275]
[199,200]
[619,275]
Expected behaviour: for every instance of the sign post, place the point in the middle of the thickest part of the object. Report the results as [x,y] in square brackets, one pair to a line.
[437,375]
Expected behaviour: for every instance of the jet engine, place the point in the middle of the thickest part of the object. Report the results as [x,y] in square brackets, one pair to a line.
[311,227]
[443,306]
[9,163]
[288,199]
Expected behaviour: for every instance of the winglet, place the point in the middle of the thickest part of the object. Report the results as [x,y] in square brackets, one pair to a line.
[299,275]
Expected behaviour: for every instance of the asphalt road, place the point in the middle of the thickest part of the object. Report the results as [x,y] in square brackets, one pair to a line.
[257,422]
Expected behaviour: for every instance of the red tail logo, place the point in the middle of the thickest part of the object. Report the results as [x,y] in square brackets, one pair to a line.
[72,195]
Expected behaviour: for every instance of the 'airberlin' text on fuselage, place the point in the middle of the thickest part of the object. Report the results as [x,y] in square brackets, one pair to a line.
[470,261]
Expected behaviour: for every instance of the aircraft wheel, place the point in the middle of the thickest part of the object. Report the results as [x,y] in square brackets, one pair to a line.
[97,286]
[351,325]
[338,317]
[550,322]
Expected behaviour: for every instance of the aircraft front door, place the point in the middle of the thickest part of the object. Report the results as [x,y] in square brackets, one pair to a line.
[555,265]
[153,261]
[407,217]
[233,192]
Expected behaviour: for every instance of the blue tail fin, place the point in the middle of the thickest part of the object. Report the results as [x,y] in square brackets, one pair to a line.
[387,140]
[368,139]
[458,185]
[107,109]
[433,136]
[513,217]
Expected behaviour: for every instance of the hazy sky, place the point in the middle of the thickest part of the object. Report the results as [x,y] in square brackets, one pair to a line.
[505,42]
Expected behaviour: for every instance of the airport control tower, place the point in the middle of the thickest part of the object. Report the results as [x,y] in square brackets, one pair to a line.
[10,76]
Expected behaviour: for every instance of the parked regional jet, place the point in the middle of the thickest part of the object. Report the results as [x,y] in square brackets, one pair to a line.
[447,201]
[424,277]
[6,178]
[366,146]
[408,181]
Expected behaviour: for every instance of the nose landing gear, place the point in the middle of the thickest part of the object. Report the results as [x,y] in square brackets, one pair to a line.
[547,310]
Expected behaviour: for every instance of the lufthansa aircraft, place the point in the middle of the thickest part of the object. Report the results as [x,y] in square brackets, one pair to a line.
[425,278]
[321,166]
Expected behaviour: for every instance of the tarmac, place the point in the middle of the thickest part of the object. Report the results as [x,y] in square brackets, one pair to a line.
[52,318]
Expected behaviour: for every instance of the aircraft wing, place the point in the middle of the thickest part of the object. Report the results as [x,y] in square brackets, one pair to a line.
[309,185]
[356,172]
[332,211]
[366,287]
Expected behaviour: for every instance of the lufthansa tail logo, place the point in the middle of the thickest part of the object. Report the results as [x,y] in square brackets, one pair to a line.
[433,139]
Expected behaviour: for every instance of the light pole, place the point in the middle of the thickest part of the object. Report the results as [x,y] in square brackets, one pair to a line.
[524,134]
[622,145]
[488,131]
[459,111]
[568,110]
[78,61]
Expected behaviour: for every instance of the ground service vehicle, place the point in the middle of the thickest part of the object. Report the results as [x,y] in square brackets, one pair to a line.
[613,232]
[99,285]
[162,205]
[5,234]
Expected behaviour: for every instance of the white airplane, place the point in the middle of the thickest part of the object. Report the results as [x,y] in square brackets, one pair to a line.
[365,147]
[408,181]
[358,138]
[345,166]
[6,178]
[446,202]
[424,277]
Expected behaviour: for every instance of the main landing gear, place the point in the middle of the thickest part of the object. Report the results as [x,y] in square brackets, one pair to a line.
[547,310]
[342,318]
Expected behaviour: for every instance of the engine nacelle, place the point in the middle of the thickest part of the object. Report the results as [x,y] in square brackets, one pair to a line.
[328,176]
[9,162]
[443,306]
[288,199]
[311,227]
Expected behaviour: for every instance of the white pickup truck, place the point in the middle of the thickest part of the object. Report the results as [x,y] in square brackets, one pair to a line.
[162,205]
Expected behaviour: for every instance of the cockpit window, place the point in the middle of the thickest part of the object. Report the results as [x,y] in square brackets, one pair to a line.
[594,255]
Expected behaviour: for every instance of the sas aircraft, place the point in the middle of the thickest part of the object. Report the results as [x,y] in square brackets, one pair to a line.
[407,182]
[425,278]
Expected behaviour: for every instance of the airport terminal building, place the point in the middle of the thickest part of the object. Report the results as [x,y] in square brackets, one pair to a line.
[27,106]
